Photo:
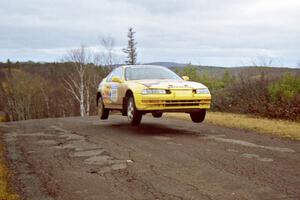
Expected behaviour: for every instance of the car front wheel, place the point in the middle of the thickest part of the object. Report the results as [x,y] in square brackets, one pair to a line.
[102,111]
[133,115]
[198,116]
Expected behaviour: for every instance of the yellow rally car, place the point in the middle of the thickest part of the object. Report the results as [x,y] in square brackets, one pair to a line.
[139,89]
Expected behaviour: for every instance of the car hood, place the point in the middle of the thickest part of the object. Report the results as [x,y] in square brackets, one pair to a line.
[170,84]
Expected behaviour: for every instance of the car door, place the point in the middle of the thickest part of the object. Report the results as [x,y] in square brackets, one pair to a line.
[113,88]
[105,90]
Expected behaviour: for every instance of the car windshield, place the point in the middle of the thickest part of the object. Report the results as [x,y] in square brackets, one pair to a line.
[148,72]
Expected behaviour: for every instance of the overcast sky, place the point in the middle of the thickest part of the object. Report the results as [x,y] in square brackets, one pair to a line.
[207,32]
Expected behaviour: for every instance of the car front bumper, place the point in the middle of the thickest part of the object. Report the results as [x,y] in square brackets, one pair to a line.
[176,101]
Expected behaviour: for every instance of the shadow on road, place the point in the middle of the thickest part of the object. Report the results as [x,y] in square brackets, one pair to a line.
[151,129]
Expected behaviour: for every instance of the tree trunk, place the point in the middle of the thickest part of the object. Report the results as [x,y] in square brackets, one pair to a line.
[81,91]
[88,101]
[46,99]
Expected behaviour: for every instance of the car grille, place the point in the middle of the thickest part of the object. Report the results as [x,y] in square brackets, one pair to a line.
[177,103]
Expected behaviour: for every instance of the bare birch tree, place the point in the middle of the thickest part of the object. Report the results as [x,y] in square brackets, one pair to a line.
[76,83]
[108,57]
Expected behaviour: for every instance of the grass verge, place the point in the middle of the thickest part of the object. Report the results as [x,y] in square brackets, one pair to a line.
[281,128]
[5,192]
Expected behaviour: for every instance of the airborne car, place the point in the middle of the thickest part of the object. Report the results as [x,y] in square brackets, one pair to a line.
[139,89]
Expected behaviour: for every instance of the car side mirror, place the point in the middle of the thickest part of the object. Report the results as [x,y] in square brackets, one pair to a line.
[116,79]
[186,78]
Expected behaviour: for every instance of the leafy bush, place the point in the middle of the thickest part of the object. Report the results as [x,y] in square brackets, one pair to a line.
[286,89]
[213,83]
[252,92]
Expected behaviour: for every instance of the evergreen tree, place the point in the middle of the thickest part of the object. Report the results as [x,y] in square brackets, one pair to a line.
[131,48]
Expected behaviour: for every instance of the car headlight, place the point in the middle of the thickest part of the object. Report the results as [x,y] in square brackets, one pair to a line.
[154,91]
[202,91]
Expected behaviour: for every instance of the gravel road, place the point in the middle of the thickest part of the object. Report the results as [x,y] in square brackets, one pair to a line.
[88,159]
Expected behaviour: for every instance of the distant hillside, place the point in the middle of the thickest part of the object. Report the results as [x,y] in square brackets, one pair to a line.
[215,71]
[249,71]
[212,71]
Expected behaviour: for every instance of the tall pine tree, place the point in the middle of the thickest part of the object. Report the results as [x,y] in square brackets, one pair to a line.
[131,48]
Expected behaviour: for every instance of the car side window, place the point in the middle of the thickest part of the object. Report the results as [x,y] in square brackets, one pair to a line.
[116,72]
[119,72]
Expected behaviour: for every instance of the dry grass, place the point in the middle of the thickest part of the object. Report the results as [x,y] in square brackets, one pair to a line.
[5,192]
[280,128]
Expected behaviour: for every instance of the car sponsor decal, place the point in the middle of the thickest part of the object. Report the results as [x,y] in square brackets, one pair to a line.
[114,92]
[167,84]
[151,84]
[171,84]
[179,86]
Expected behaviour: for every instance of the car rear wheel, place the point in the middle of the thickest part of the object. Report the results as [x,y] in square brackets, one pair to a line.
[102,111]
[157,114]
[133,115]
[198,116]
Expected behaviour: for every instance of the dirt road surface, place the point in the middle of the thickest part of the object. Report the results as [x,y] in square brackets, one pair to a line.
[89,159]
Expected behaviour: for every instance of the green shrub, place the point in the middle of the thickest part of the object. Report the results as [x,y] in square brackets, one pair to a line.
[213,83]
[287,88]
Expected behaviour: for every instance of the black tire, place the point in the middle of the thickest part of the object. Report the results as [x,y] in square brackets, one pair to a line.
[157,114]
[198,116]
[133,115]
[102,111]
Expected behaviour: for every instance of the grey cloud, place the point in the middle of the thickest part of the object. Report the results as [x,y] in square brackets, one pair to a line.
[177,30]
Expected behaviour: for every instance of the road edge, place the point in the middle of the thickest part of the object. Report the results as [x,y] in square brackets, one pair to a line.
[7,191]
[279,128]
